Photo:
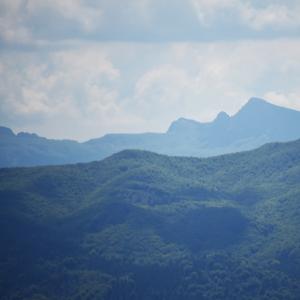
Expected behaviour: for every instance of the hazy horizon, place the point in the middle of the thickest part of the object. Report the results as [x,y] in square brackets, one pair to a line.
[186,202]
[81,69]
[163,131]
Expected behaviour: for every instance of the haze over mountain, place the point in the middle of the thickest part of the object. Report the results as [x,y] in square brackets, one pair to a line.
[257,123]
[139,225]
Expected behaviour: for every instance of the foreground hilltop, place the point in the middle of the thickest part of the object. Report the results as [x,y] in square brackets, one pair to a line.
[140,225]
[257,123]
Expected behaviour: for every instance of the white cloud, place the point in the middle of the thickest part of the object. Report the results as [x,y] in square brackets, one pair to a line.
[168,92]
[291,99]
[204,79]
[20,19]
[280,16]
[207,10]
[71,86]
[79,11]
[12,27]
[89,91]
[164,87]
[36,22]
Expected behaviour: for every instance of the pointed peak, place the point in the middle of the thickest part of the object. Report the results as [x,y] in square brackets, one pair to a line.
[256,104]
[259,103]
[256,101]
[222,116]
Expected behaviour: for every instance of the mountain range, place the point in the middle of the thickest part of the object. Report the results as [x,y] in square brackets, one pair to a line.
[139,225]
[256,123]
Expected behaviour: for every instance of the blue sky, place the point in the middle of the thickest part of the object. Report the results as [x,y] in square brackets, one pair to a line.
[80,69]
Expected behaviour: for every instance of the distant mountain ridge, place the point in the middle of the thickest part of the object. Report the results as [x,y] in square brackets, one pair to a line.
[256,123]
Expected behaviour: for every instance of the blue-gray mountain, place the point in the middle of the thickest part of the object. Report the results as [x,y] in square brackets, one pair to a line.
[257,123]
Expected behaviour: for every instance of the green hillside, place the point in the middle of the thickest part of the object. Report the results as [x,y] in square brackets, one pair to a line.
[139,225]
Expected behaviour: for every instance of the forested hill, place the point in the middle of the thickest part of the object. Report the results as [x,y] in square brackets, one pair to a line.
[139,225]
[256,123]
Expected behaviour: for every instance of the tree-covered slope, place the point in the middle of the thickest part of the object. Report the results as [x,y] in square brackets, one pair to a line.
[139,225]
[258,122]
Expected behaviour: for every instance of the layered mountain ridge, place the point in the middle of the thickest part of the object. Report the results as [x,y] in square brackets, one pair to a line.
[258,122]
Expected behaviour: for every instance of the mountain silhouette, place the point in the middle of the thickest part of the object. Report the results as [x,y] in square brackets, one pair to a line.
[256,123]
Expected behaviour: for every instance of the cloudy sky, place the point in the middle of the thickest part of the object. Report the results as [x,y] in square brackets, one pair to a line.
[81,68]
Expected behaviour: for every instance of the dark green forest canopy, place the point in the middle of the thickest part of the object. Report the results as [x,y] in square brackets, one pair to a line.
[139,225]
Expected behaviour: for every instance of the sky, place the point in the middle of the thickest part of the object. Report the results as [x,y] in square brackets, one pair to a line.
[75,69]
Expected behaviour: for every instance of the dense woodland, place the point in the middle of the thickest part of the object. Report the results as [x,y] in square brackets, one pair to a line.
[139,225]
